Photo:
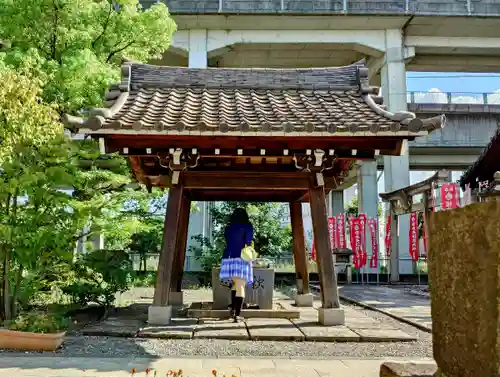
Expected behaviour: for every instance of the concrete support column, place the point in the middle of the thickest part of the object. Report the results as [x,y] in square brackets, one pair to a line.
[337,202]
[368,200]
[396,169]
[200,222]
[198,56]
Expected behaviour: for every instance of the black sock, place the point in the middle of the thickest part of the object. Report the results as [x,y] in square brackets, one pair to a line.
[238,302]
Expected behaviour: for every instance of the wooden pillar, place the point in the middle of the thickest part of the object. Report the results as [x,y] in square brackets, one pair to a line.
[299,248]
[180,248]
[167,253]
[324,257]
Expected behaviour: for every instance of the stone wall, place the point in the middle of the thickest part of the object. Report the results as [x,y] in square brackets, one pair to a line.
[464,274]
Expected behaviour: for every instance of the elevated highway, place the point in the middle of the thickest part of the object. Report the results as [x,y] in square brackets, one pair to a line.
[394,36]
[471,122]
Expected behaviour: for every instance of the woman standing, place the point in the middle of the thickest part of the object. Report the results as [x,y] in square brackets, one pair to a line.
[235,271]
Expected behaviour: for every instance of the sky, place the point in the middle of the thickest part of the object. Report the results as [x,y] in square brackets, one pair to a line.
[453,82]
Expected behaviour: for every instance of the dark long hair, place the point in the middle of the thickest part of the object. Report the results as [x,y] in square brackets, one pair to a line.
[239,216]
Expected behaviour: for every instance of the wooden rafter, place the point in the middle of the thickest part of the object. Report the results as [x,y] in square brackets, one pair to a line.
[249,181]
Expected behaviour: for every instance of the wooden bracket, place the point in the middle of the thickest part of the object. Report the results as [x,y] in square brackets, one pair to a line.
[320,180]
[303,162]
[180,160]
[175,177]
[316,161]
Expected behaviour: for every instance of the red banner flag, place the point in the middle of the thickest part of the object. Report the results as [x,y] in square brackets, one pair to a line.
[356,243]
[372,225]
[332,227]
[425,242]
[341,241]
[351,232]
[413,249]
[313,251]
[450,196]
[388,238]
[362,220]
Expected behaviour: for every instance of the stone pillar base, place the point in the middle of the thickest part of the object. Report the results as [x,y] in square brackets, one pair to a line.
[159,315]
[176,298]
[331,316]
[304,300]
[348,271]
[300,286]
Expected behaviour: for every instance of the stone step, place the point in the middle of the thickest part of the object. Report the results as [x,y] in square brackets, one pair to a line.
[204,310]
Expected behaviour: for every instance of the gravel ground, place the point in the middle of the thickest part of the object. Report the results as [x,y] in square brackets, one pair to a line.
[91,346]
[419,290]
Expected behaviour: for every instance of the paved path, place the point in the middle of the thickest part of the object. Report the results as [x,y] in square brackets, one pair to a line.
[358,327]
[50,366]
[413,309]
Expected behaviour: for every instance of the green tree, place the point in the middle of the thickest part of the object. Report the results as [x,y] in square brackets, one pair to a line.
[36,216]
[271,237]
[352,208]
[64,53]
[144,243]
[77,46]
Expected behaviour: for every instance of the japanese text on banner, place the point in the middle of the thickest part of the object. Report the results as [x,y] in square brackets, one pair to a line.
[388,236]
[372,225]
[332,227]
[414,253]
[356,243]
[450,196]
[362,222]
[341,241]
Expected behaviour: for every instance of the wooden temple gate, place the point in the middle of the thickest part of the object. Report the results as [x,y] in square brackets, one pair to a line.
[247,135]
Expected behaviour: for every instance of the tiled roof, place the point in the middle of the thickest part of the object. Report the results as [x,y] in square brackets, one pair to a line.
[154,99]
[487,164]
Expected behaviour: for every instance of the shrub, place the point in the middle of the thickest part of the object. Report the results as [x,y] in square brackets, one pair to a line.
[38,323]
[147,280]
[98,276]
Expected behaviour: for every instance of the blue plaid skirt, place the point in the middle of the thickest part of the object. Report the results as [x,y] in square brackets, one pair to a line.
[236,268]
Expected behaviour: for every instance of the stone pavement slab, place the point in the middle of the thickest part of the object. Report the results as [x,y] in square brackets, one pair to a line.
[221,329]
[273,329]
[408,369]
[384,335]
[180,328]
[366,323]
[395,302]
[314,332]
[113,326]
[48,366]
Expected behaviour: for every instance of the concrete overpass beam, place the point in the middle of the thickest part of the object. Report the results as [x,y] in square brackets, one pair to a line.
[375,64]
[180,41]
[452,42]
[198,53]
[396,169]
[371,42]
